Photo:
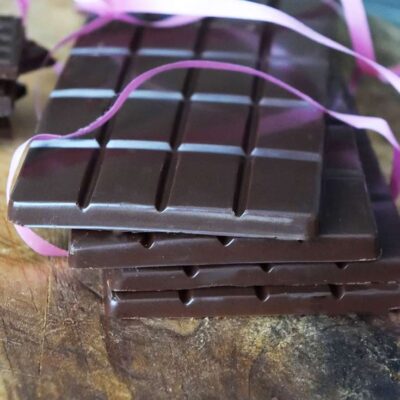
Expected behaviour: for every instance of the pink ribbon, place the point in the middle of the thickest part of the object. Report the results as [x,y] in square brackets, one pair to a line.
[45,248]
[360,34]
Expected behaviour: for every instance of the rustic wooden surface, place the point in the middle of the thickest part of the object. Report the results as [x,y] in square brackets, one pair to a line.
[55,342]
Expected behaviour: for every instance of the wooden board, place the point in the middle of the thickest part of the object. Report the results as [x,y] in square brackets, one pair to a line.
[55,342]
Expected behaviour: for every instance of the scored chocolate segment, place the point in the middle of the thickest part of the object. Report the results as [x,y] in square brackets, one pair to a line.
[169,42]
[50,166]
[136,121]
[224,40]
[263,300]
[114,35]
[79,72]
[171,82]
[54,119]
[346,223]
[231,174]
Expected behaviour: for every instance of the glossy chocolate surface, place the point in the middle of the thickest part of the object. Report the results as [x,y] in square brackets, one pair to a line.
[263,300]
[210,153]
[347,230]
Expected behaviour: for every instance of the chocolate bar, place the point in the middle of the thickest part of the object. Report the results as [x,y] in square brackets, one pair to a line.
[264,300]
[300,289]
[342,226]
[385,269]
[209,152]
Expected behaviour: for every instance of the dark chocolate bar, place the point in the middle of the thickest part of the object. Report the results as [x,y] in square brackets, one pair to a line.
[385,269]
[346,223]
[262,300]
[203,152]
[332,298]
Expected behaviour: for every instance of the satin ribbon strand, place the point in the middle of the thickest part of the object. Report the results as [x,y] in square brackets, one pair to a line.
[31,238]
[45,248]
[360,33]
[356,20]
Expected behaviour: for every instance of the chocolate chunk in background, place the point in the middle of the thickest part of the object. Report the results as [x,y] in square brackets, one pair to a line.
[34,57]
[209,181]
[17,55]
[11,44]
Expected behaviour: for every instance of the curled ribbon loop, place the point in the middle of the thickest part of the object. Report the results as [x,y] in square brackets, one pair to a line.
[44,248]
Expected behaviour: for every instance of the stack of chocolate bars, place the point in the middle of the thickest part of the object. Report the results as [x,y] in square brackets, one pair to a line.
[18,55]
[213,193]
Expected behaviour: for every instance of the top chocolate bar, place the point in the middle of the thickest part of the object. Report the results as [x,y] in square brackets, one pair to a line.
[191,151]
[11,45]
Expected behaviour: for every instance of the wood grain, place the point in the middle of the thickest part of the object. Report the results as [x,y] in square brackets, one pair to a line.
[55,342]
